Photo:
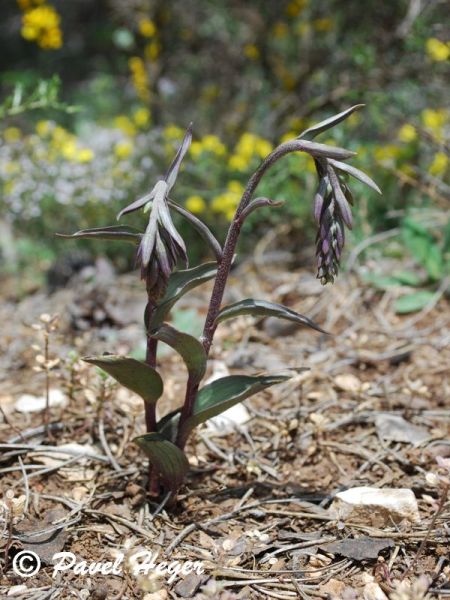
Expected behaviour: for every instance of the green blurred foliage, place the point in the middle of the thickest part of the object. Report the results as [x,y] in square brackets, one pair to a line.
[249,75]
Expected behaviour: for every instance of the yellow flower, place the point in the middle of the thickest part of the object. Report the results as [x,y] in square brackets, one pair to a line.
[263,147]
[152,50]
[196,149]
[147,28]
[439,164]
[122,150]
[84,155]
[238,162]
[235,186]
[213,144]
[172,132]
[251,51]
[323,25]
[295,7]
[437,50]
[280,30]
[407,133]
[69,149]
[125,124]
[195,204]
[43,128]
[139,77]
[434,119]
[287,137]
[387,153]
[41,24]
[141,117]
[12,134]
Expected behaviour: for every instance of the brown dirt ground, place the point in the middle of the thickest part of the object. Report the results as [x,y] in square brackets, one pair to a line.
[254,508]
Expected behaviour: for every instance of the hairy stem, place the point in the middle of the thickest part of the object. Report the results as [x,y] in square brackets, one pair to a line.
[223,270]
[233,236]
[150,409]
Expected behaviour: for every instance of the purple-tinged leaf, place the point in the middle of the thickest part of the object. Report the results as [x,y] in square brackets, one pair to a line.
[187,346]
[172,172]
[324,151]
[221,394]
[137,204]
[115,232]
[259,203]
[263,308]
[311,132]
[319,198]
[133,374]
[340,198]
[170,462]
[201,228]
[180,282]
[356,173]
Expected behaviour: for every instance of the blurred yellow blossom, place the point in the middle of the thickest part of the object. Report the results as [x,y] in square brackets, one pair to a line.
[434,119]
[437,50]
[251,51]
[295,7]
[84,155]
[147,28]
[387,153]
[125,124]
[172,132]
[287,137]
[196,149]
[280,29]
[195,204]
[41,25]
[69,148]
[141,117]
[407,133]
[212,143]
[439,164]
[139,77]
[325,24]
[152,50]
[122,150]
[238,162]
[43,128]
[12,134]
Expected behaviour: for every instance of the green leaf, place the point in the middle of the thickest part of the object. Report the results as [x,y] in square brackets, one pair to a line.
[133,374]
[115,232]
[424,248]
[187,346]
[413,302]
[221,394]
[170,462]
[397,279]
[356,173]
[263,308]
[311,132]
[181,282]
[168,425]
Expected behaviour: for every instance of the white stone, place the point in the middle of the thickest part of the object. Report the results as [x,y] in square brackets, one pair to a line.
[370,505]
[30,404]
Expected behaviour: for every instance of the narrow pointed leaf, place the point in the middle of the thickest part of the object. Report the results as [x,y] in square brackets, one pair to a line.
[137,204]
[180,282]
[260,203]
[115,232]
[132,374]
[221,394]
[356,173]
[170,462]
[201,228]
[187,346]
[311,132]
[172,172]
[325,151]
[340,197]
[263,308]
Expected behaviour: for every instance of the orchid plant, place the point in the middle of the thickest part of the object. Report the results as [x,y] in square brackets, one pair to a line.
[161,250]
